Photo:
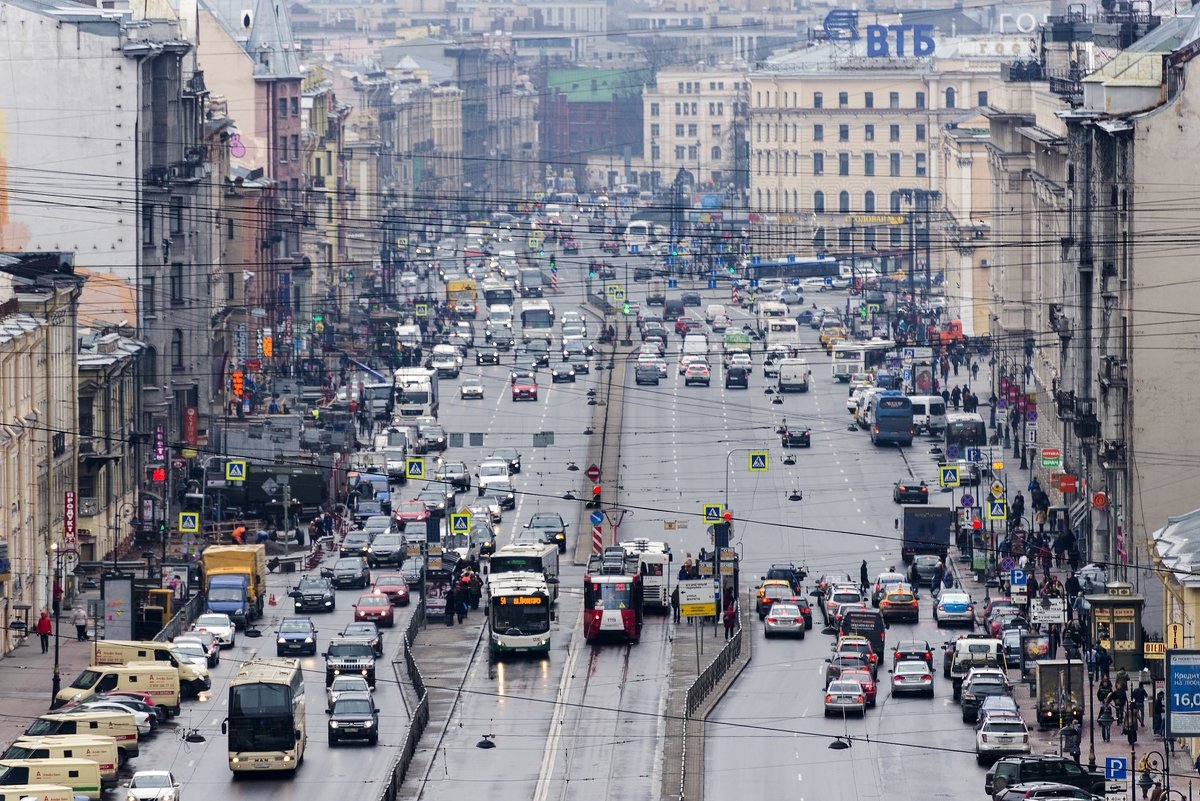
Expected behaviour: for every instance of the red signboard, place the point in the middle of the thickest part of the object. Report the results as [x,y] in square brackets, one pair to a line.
[253,364]
[191,426]
[1067,484]
[69,519]
[593,473]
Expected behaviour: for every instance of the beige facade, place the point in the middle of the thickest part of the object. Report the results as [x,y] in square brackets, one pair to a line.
[962,234]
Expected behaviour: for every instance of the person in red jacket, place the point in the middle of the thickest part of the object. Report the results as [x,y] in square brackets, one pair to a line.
[43,629]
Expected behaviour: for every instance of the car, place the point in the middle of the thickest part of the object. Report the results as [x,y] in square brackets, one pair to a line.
[862,676]
[343,685]
[431,439]
[206,641]
[954,608]
[996,705]
[883,582]
[720,323]
[691,299]
[314,594]
[466,309]
[697,373]
[738,377]
[145,721]
[899,604]
[838,595]
[973,693]
[1052,791]
[388,548]
[355,543]
[296,635]
[839,662]
[365,631]
[375,608]
[353,717]
[504,495]
[352,571]
[151,785]
[852,644]
[815,283]
[579,361]
[454,474]
[535,353]
[524,386]
[795,436]
[435,501]
[219,625]
[409,513]
[770,592]
[646,374]
[922,570]
[376,524]
[910,650]
[392,586]
[783,619]
[510,455]
[1004,618]
[790,295]
[413,572]
[988,672]
[912,676]
[844,698]
[1014,770]
[787,572]
[686,324]
[737,359]
[192,652]
[805,317]
[1011,637]
[471,388]
[550,527]
[910,492]
[562,374]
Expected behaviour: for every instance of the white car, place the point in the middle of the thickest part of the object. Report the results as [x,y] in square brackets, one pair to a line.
[740,360]
[220,626]
[142,719]
[1001,735]
[192,651]
[345,684]
[472,387]
[408,280]
[152,785]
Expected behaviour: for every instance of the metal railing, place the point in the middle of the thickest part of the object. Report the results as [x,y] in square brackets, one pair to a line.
[700,689]
[420,715]
[183,618]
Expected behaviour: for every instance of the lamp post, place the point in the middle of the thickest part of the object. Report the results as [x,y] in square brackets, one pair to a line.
[1091,721]
[1153,762]
[56,679]
[1025,370]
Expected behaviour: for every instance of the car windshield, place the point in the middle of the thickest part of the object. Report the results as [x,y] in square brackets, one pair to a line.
[846,597]
[345,684]
[912,667]
[389,580]
[353,706]
[311,585]
[152,780]
[1005,726]
[212,621]
[785,610]
[192,648]
[351,649]
[347,564]
[356,538]
[360,630]
[295,626]
[845,687]
[373,600]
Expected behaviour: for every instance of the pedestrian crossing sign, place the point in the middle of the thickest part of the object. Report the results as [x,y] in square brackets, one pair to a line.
[997,509]
[235,471]
[189,522]
[422,310]
[414,467]
[759,461]
[460,523]
[713,513]
[948,476]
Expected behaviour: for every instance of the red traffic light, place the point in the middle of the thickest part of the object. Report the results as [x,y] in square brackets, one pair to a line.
[976,524]
[596,490]
[727,517]
[158,474]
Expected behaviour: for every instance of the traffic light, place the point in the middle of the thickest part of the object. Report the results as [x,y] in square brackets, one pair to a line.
[595,504]
[551,261]
[162,528]
[592,272]
[732,269]
[158,473]
[625,309]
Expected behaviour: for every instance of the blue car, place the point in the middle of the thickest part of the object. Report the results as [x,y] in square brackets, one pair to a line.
[805,317]
[296,635]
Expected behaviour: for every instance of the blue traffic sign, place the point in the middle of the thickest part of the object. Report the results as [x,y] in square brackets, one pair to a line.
[672,283]
[597,518]
[754,283]
[795,282]
[633,248]
[829,280]
[1116,769]
[967,501]
[1031,415]
[951,451]
[712,283]
[1007,563]
[1017,577]
[998,510]
[974,455]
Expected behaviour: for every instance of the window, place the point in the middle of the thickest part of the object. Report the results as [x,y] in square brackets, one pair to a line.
[693,130]
[843,202]
[679,152]
[721,109]
[869,133]
[819,240]
[716,153]
[869,100]
[693,153]
[868,164]
[819,202]
[176,215]
[694,105]
[920,100]
[282,148]
[844,238]
[895,238]
[818,100]
[868,239]
[655,152]
[843,133]
[894,164]
[679,88]
[148,224]
[655,129]
[177,349]
[983,99]
[176,283]
[921,132]
[653,109]
[229,228]
[869,202]
[920,164]
[678,109]
[893,133]
[87,423]
[893,100]
[295,146]
[843,163]
[679,129]
[283,107]
[230,286]
[818,133]
[894,201]
[149,301]
[951,97]
[843,99]
[818,163]
[295,107]
[716,130]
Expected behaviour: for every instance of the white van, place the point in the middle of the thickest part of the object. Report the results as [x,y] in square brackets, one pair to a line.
[929,413]
[866,402]
[794,375]
[695,345]
[37,792]
[500,313]
[101,750]
[714,311]
[81,775]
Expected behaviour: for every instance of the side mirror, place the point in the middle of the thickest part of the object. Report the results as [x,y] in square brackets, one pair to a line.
[325,654]
[224,728]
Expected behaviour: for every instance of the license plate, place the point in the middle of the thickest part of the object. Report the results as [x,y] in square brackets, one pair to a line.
[1004,740]
[262,765]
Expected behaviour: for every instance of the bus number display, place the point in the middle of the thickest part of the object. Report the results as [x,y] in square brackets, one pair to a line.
[893,403]
[523,600]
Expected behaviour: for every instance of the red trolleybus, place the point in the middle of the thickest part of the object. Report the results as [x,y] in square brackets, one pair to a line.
[612,597]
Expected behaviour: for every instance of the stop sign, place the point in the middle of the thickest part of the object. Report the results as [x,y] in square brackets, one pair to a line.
[593,473]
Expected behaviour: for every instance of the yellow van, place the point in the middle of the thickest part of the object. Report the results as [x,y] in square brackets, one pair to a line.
[157,680]
[121,726]
[101,750]
[36,792]
[81,775]
[193,679]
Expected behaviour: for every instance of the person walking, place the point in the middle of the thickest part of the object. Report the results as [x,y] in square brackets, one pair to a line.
[1103,661]
[79,620]
[43,629]
[956,396]
[1105,719]
[1137,699]
[675,604]
[1159,711]
[863,578]
[451,603]
[1130,724]
[730,620]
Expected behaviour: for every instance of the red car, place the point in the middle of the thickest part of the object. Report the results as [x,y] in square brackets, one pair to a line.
[374,609]
[524,387]
[394,587]
[569,245]
[863,677]
[685,324]
[410,512]
[610,246]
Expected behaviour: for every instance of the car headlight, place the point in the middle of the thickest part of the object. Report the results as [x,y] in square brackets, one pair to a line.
[333,724]
[281,641]
[329,603]
[308,640]
[368,724]
[131,797]
[240,612]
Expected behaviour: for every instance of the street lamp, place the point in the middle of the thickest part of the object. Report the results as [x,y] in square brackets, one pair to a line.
[56,679]
[1153,762]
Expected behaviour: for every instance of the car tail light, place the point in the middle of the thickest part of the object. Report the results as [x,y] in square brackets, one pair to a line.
[771,620]
[829,699]
[970,696]
[928,656]
[984,737]
[1024,738]
[858,698]
[927,677]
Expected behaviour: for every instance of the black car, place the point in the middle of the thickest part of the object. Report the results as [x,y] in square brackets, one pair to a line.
[607,272]
[562,374]
[413,571]
[355,543]
[737,377]
[503,492]
[350,657]
[510,455]
[296,635]
[796,437]
[387,549]
[350,571]
[789,573]
[910,492]
[432,438]
[908,650]
[646,374]
[974,693]
[536,353]
[1018,770]
[366,631]
[642,273]
[354,717]
[691,299]
[922,570]
[314,595]
[487,354]
[435,501]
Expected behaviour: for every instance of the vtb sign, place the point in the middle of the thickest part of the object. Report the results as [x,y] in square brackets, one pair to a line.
[883,41]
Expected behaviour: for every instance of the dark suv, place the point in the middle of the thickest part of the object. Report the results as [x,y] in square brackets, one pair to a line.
[351,571]
[314,595]
[1040,768]
[789,573]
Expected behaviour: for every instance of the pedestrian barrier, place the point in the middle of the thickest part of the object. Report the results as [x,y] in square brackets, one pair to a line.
[420,715]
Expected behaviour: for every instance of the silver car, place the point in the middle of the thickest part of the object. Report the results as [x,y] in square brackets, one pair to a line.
[845,697]
[914,676]
[342,685]
[784,619]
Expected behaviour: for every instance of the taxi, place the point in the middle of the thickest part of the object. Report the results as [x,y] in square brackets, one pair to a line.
[772,591]
[899,604]
[830,334]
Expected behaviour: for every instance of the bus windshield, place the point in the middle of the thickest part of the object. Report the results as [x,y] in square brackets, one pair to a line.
[528,613]
[514,564]
[966,430]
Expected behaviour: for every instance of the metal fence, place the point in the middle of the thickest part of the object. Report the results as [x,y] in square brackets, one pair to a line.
[704,684]
[420,715]
[183,618]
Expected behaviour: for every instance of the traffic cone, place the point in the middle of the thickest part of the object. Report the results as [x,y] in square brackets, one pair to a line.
[271,600]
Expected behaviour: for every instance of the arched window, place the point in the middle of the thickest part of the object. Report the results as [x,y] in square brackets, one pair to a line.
[951,96]
[177,348]
[819,202]
[844,202]
[869,202]
[895,203]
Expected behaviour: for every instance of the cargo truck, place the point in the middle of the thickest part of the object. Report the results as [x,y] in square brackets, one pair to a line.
[235,579]
[1060,688]
[416,392]
[926,529]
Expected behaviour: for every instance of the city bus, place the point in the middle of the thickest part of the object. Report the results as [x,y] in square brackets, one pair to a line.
[790,269]
[266,725]
[496,293]
[892,419]
[536,315]
[539,558]
[965,430]
[766,311]
[639,234]
[654,566]
[859,357]
[519,614]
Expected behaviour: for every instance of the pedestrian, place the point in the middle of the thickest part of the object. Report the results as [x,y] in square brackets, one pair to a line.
[1103,661]
[675,604]
[730,620]
[1159,710]
[79,619]
[451,600]
[1137,699]
[956,396]
[935,581]
[1090,657]
[1104,690]
[461,608]
[1130,724]
[1105,719]
[1119,698]
[863,579]
[974,371]
[43,629]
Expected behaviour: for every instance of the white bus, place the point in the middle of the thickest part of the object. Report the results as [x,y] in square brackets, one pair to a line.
[527,557]
[519,615]
[766,311]
[859,357]
[639,234]
[782,334]
[266,724]
[654,566]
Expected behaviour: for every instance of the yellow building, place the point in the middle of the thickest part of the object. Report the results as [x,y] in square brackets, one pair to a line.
[962,233]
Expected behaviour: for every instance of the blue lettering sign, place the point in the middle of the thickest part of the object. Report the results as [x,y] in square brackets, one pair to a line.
[842,24]
[909,40]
